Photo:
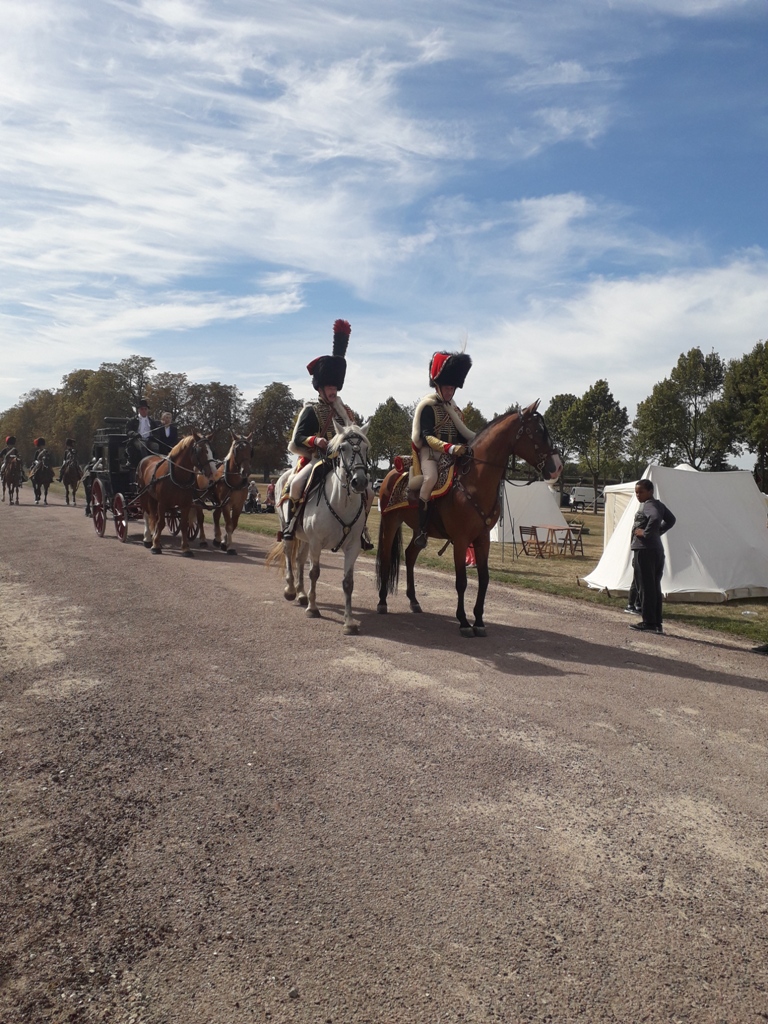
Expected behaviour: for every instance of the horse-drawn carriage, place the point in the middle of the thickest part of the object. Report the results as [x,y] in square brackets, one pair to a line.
[111,487]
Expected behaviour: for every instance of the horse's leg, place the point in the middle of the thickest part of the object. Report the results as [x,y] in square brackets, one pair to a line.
[482,550]
[217,527]
[460,567]
[314,574]
[302,550]
[66,491]
[290,584]
[231,519]
[156,515]
[148,530]
[348,585]
[186,551]
[411,554]
[200,516]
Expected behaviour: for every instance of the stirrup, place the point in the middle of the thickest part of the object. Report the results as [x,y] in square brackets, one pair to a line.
[365,540]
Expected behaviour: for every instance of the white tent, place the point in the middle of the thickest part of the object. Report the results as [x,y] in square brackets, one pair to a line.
[536,504]
[718,549]
[617,497]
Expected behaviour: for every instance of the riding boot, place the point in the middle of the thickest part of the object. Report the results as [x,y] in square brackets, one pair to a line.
[290,525]
[420,540]
[365,540]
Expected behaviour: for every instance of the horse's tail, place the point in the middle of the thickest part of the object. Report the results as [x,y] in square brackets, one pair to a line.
[275,556]
[395,556]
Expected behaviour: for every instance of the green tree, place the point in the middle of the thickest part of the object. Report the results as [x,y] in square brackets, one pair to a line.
[271,417]
[598,425]
[742,414]
[168,392]
[389,433]
[214,409]
[473,418]
[132,375]
[679,421]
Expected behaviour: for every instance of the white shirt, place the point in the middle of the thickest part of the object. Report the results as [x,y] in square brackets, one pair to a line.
[144,426]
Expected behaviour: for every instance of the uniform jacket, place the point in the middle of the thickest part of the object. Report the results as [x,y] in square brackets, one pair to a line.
[316,420]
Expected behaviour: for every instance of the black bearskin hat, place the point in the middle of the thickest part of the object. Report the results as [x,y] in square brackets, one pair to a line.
[11,439]
[450,368]
[70,442]
[330,371]
[39,442]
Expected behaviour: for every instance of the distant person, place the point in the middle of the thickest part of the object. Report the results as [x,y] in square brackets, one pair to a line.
[652,521]
[167,434]
[141,434]
[70,456]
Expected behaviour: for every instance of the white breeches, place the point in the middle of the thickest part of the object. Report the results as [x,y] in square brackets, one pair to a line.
[299,481]
[429,471]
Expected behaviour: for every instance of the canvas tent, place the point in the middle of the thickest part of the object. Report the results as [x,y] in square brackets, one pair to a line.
[617,497]
[536,504]
[718,549]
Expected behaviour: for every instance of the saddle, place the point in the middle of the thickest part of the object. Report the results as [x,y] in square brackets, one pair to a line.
[405,491]
[320,471]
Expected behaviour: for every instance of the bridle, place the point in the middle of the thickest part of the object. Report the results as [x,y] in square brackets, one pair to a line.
[526,427]
[202,459]
[240,445]
[355,442]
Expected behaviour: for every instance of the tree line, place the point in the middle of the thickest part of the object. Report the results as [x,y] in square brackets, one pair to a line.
[704,413]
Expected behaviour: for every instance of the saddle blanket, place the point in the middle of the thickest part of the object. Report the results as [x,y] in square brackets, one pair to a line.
[402,496]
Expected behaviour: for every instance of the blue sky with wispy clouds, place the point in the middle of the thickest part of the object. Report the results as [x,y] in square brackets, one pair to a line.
[576,189]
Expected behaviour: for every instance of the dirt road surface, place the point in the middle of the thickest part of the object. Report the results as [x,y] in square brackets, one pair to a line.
[216,811]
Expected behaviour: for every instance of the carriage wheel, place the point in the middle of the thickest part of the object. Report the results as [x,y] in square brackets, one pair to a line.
[173,521]
[98,510]
[120,513]
[194,528]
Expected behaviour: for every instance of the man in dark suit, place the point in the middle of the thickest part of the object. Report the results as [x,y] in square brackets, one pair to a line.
[166,435]
[140,431]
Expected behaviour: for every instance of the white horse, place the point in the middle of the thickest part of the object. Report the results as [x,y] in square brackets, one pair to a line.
[334,516]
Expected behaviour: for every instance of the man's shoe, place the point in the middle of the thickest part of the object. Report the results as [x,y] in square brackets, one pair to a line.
[659,630]
[642,628]
[420,540]
[631,610]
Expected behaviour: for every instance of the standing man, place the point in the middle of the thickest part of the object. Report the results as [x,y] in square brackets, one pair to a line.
[318,421]
[140,430]
[652,521]
[438,428]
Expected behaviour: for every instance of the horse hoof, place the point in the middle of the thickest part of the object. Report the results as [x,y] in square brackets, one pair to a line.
[231,551]
[381,608]
[37,502]
[156,551]
[147,543]
[416,607]
[313,613]
[217,543]
[304,601]
[467,631]
[479,631]
[204,544]
[187,554]
[288,596]
[351,630]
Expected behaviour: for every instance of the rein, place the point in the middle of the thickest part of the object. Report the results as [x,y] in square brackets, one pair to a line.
[169,475]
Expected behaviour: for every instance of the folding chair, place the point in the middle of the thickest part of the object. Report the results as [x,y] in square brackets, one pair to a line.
[529,538]
[573,540]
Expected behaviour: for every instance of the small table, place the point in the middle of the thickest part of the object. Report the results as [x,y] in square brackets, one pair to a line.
[557,539]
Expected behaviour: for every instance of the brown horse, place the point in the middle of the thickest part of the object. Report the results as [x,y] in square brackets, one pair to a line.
[168,481]
[466,514]
[71,475]
[11,476]
[226,493]
[41,476]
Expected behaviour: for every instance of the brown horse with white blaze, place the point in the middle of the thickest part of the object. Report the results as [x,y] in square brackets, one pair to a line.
[227,492]
[168,481]
[467,513]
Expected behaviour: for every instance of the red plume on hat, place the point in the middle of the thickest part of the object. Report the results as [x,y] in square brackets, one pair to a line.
[10,439]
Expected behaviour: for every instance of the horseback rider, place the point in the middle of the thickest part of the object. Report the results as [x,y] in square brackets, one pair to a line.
[10,449]
[70,456]
[318,423]
[140,429]
[42,456]
[438,428]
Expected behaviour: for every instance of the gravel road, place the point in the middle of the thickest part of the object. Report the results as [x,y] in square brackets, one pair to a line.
[216,811]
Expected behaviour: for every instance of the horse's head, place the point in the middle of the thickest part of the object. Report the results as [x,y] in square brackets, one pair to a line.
[350,447]
[239,456]
[535,445]
[199,448]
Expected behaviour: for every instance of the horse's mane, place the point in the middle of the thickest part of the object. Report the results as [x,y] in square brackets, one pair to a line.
[479,436]
[182,445]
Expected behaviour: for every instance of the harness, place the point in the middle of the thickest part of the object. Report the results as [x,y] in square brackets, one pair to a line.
[155,479]
[355,442]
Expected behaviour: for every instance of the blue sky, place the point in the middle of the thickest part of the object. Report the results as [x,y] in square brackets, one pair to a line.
[575,190]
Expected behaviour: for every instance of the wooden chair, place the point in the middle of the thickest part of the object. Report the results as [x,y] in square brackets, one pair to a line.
[529,539]
[573,540]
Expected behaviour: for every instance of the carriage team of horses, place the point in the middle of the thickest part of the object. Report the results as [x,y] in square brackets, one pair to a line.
[188,481]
